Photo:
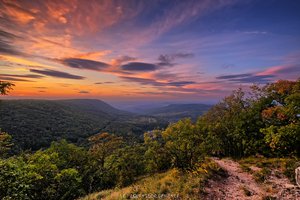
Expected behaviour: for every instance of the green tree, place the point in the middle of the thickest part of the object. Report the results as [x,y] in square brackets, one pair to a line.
[5,87]
[104,144]
[95,175]
[183,143]
[126,164]
[69,155]
[156,156]
[226,125]
[17,180]
[5,138]
[51,174]
[5,143]
[68,184]
[282,131]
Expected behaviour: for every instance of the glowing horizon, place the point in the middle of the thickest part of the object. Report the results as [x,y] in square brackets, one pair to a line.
[153,50]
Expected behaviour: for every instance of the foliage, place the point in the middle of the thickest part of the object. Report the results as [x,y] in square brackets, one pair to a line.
[5,87]
[157,157]
[43,175]
[264,122]
[126,164]
[5,143]
[282,131]
[286,166]
[172,184]
[104,144]
[183,142]
[34,124]
[283,139]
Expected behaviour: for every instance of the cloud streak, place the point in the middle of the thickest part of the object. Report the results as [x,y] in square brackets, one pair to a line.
[139,66]
[106,82]
[79,63]
[22,76]
[282,70]
[247,78]
[57,74]
[83,92]
[6,43]
[147,81]
[168,59]
[14,79]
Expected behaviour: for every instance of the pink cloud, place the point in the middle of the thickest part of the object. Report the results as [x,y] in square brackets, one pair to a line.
[288,71]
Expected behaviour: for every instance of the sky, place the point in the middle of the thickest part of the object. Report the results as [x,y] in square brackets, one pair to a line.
[158,50]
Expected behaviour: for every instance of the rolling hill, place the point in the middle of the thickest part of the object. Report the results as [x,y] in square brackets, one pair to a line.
[175,112]
[34,124]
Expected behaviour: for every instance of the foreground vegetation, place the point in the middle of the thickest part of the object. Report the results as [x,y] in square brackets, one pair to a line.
[172,184]
[264,165]
[264,122]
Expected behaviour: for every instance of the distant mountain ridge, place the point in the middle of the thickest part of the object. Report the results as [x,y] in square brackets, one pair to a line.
[94,105]
[34,124]
[175,112]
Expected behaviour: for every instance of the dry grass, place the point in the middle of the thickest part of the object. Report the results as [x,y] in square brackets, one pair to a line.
[283,165]
[173,184]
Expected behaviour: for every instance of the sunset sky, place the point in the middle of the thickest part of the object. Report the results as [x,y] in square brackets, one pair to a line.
[146,49]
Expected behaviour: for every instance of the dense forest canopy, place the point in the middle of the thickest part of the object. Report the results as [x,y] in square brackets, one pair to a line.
[34,124]
[265,121]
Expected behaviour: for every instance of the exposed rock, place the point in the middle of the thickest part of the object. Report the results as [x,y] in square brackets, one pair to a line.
[297,176]
[240,185]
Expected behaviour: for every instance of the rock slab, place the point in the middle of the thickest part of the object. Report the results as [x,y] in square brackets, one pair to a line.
[297,176]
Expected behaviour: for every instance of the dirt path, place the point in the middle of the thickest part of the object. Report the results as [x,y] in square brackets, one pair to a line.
[240,185]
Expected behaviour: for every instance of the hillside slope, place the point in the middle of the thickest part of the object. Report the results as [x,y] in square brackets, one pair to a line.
[172,184]
[268,182]
[175,112]
[224,179]
[36,123]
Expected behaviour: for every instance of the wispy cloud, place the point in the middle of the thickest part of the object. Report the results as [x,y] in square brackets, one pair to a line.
[83,92]
[265,76]
[146,81]
[180,83]
[282,70]
[6,43]
[120,60]
[168,59]
[79,63]
[233,76]
[6,78]
[139,66]
[247,78]
[22,76]
[106,82]
[57,74]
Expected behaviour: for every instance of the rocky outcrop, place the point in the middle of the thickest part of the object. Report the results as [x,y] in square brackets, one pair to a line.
[297,176]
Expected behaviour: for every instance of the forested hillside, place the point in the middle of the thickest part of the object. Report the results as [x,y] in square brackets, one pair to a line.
[264,124]
[36,123]
[175,112]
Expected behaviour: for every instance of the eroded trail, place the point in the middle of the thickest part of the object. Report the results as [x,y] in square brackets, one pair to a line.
[240,185]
